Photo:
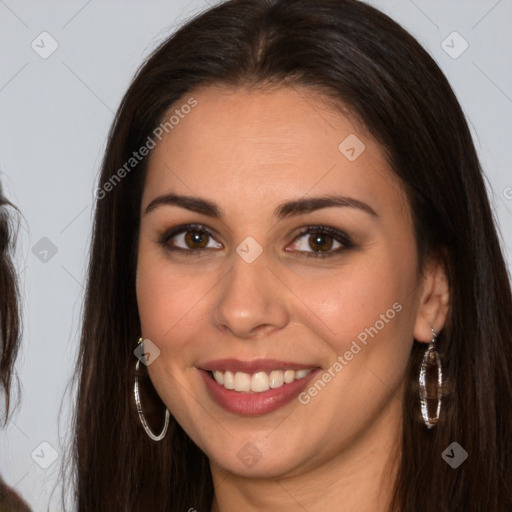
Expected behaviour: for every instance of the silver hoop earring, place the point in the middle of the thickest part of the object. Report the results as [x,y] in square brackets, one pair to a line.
[430,358]
[142,418]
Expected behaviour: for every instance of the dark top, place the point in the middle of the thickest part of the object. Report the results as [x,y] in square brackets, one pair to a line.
[10,501]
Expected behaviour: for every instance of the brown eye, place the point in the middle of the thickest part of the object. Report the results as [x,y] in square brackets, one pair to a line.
[196,239]
[188,240]
[320,242]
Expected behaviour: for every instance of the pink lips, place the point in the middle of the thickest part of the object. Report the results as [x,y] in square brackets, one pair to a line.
[250,403]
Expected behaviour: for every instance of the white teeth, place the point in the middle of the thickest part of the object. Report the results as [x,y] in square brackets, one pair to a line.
[229,381]
[276,379]
[242,381]
[289,376]
[258,382]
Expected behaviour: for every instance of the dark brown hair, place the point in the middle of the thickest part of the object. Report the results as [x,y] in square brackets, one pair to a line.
[10,328]
[365,61]
[10,325]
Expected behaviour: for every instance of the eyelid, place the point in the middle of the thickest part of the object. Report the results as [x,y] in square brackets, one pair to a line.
[171,232]
[334,232]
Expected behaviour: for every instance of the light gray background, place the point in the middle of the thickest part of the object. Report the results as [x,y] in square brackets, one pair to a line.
[55,114]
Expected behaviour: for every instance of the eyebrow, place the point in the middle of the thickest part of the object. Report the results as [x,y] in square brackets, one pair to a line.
[287,209]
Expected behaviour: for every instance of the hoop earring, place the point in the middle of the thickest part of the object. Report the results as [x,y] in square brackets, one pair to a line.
[142,418]
[431,357]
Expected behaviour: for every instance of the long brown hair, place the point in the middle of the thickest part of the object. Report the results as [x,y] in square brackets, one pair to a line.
[10,322]
[10,328]
[365,61]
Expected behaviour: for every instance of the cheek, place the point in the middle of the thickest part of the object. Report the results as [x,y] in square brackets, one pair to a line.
[167,301]
[368,316]
[165,297]
[352,301]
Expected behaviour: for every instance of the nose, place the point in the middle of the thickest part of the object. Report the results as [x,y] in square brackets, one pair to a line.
[251,301]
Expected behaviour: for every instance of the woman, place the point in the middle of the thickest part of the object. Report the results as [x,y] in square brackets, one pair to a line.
[9,334]
[292,221]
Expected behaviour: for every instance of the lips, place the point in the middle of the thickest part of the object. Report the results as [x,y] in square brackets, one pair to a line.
[255,387]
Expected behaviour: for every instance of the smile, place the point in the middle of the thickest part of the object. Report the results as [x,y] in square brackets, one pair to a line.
[258,382]
[257,387]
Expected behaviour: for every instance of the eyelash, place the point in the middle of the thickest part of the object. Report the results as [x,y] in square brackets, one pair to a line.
[339,236]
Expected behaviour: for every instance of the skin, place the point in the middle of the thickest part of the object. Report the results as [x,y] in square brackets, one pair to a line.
[249,150]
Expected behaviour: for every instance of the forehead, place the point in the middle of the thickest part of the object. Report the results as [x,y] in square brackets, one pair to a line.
[245,143]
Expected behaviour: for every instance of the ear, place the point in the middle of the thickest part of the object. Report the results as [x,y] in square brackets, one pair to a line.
[434,299]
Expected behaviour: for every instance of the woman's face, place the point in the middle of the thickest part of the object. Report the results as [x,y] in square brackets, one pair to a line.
[301,257]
